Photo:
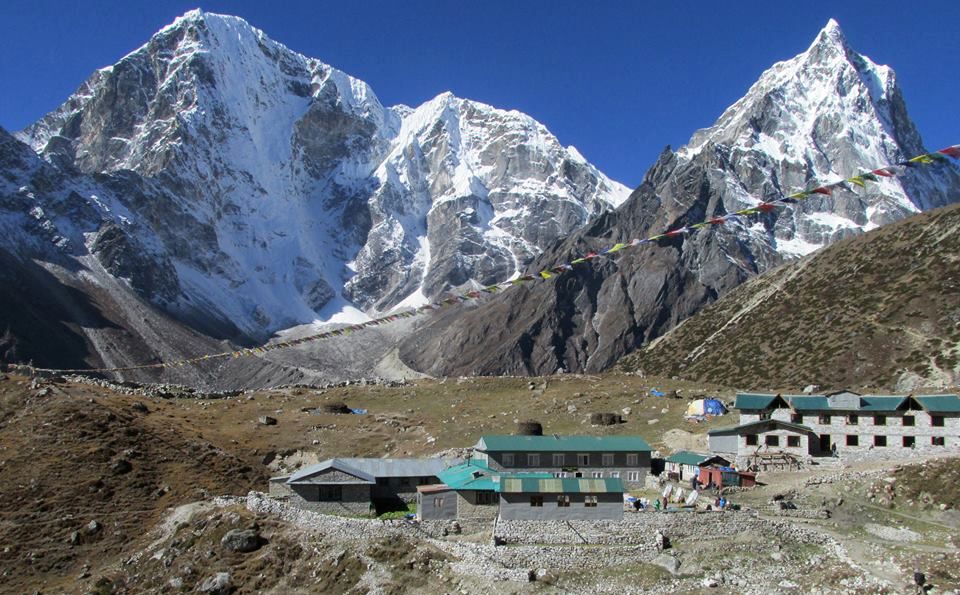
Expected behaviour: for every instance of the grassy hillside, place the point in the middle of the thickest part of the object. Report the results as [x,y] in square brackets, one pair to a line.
[877,311]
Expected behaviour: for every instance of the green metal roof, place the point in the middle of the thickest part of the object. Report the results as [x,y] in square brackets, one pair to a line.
[877,403]
[476,475]
[685,457]
[499,443]
[753,400]
[754,424]
[566,485]
[939,403]
[809,403]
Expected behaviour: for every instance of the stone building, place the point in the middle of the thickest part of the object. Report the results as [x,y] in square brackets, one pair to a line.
[358,486]
[474,491]
[843,424]
[626,458]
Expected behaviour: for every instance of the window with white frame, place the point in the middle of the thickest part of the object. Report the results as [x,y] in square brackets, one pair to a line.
[633,459]
[508,459]
[607,459]
[559,460]
[598,474]
[583,459]
[438,502]
[614,474]
[533,460]
[633,476]
[563,501]
[560,474]
[590,501]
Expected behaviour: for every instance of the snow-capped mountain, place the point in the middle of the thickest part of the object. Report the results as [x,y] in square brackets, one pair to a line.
[270,189]
[826,114]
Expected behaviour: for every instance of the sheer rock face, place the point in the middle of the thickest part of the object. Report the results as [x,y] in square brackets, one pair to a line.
[269,189]
[827,114]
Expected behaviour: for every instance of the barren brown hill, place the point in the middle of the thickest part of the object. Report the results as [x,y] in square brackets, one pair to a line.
[877,311]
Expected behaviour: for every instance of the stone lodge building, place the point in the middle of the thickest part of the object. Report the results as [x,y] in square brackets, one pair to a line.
[626,458]
[844,424]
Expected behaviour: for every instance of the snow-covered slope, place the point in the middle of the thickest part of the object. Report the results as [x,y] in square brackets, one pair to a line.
[285,192]
[826,114]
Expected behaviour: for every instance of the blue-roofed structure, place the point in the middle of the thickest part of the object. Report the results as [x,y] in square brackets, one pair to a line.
[474,490]
[842,424]
[626,458]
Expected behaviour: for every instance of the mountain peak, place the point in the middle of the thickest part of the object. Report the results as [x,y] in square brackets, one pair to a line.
[830,41]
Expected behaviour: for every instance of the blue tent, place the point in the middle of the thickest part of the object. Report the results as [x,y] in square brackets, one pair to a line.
[713,407]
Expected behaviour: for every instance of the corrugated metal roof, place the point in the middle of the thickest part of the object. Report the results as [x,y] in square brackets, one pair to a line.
[337,464]
[562,443]
[753,400]
[685,457]
[880,403]
[370,469]
[475,475]
[554,485]
[754,424]
[809,403]
[939,403]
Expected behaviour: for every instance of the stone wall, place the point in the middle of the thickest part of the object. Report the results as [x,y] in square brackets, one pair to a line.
[355,500]
[639,529]
[544,544]
[467,507]
[517,506]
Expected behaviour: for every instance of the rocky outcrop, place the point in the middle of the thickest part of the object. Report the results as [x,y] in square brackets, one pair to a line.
[248,188]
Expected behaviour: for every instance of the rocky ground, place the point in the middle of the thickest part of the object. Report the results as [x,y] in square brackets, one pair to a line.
[116,490]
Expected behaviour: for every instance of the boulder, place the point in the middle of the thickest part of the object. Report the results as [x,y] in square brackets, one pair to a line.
[667,562]
[266,420]
[121,467]
[241,540]
[218,584]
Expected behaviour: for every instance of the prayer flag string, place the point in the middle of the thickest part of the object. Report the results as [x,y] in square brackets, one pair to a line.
[859,180]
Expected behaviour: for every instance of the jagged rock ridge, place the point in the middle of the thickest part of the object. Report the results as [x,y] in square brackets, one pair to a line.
[829,113]
[256,188]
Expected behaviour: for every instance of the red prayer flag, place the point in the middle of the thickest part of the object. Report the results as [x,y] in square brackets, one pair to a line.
[718,220]
[823,190]
[883,171]
[953,151]
[766,207]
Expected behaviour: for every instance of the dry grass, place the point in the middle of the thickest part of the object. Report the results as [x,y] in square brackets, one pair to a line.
[863,312]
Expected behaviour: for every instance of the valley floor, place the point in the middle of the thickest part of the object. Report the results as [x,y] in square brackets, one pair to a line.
[110,490]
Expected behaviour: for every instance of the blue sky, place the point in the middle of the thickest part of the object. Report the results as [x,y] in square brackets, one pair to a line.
[619,80]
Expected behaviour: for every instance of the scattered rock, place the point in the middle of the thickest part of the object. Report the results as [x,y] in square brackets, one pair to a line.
[710,582]
[570,409]
[121,467]
[218,584]
[241,540]
[266,420]
[627,410]
[653,421]
[93,527]
[668,563]
[74,538]
[140,407]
